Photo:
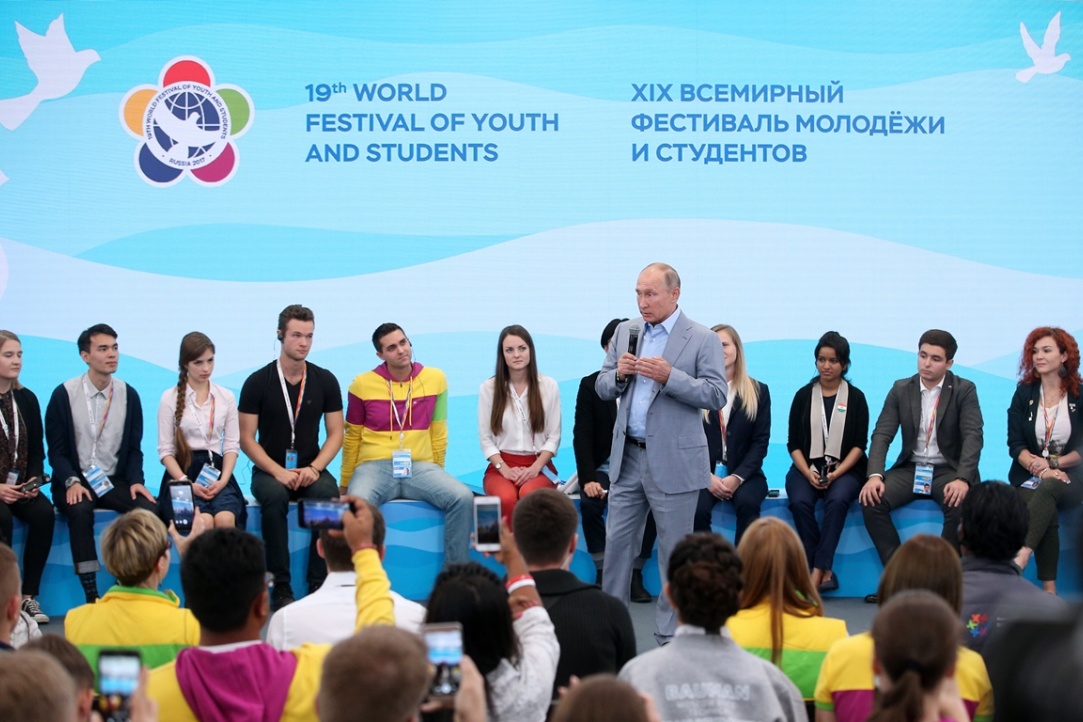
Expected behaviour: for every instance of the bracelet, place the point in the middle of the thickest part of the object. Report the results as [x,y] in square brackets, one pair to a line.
[514,580]
[313,467]
[520,584]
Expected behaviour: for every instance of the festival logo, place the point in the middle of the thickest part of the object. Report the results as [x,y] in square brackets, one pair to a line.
[187,125]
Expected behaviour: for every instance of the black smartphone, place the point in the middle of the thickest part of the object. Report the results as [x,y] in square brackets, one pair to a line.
[445,649]
[321,513]
[487,523]
[118,677]
[36,483]
[184,508]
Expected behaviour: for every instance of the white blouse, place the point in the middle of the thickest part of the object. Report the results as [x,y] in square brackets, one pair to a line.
[223,439]
[516,437]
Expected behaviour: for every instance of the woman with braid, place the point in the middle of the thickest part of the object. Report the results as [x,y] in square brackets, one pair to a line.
[198,438]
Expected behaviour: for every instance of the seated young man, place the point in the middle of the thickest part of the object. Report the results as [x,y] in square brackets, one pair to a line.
[232,674]
[396,438]
[941,426]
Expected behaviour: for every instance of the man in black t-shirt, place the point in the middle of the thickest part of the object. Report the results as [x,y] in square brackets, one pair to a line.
[284,402]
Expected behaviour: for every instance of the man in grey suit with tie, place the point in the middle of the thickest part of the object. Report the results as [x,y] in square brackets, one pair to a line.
[942,439]
[659,460]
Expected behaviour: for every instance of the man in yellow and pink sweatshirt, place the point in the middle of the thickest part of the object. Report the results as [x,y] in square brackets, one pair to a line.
[396,439]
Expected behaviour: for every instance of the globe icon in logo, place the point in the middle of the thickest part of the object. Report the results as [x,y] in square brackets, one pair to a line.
[189,126]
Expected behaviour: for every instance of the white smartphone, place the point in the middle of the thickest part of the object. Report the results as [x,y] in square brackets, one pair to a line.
[487,523]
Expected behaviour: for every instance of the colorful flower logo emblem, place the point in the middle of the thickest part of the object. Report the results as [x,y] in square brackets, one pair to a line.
[187,125]
[978,625]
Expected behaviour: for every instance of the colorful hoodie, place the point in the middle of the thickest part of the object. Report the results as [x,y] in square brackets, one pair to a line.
[372,431]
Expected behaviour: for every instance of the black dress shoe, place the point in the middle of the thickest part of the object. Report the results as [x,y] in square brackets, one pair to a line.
[638,592]
[872,599]
[831,585]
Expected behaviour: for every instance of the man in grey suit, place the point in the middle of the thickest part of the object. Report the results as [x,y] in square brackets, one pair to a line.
[942,439]
[659,460]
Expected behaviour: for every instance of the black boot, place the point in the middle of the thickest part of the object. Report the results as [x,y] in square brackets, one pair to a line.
[638,592]
[89,580]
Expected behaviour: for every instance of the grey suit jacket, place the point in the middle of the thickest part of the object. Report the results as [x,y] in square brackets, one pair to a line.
[958,425]
[676,445]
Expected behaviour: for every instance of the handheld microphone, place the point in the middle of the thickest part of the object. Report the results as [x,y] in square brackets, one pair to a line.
[633,338]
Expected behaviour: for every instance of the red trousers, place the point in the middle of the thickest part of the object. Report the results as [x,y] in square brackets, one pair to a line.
[496,485]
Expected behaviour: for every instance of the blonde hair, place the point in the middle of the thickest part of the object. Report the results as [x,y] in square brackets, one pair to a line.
[6,336]
[744,387]
[776,571]
[132,546]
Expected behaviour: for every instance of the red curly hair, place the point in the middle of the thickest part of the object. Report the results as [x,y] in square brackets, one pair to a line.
[1067,345]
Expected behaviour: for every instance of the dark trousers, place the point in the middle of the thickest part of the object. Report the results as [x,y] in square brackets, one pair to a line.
[274,501]
[37,514]
[820,543]
[593,510]
[81,520]
[1043,532]
[746,503]
[898,492]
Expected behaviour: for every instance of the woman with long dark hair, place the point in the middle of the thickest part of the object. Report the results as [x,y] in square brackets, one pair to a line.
[199,437]
[518,421]
[506,632]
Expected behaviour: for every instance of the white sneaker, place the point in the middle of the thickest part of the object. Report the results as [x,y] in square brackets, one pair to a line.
[33,609]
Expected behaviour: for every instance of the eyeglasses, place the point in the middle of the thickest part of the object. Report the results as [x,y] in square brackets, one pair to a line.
[168,546]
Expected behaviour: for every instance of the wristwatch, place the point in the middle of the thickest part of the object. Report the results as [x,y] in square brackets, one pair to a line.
[71,481]
[498,465]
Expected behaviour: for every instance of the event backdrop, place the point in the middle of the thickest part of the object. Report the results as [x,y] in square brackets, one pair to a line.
[873,168]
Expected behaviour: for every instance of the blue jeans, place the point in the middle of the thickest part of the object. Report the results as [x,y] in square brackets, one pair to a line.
[374,482]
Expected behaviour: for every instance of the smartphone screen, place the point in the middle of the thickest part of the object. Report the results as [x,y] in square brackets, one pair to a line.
[321,513]
[184,509]
[487,523]
[118,677]
[445,648]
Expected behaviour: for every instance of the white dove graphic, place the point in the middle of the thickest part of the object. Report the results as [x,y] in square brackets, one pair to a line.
[55,63]
[3,178]
[186,133]
[1046,61]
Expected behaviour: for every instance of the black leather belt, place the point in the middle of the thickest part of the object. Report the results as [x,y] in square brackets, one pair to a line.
[636,442]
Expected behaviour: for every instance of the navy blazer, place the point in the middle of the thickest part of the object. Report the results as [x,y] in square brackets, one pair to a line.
[746,440]
[1022,435]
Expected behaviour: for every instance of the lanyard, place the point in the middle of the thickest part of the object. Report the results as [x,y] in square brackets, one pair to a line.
[523,416]
[407,414]
[1045,414]
[209,432]
[7,433]
[90,415]
[293,412]
[932,423]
